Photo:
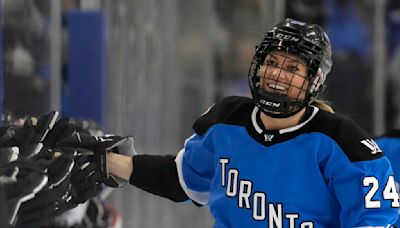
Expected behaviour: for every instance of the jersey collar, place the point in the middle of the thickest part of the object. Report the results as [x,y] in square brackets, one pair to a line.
[259,128]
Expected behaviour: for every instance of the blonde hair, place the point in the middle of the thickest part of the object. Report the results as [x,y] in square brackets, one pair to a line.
[324,105]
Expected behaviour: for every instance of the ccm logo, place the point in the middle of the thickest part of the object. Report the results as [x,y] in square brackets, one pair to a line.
[287,37]
[269,103]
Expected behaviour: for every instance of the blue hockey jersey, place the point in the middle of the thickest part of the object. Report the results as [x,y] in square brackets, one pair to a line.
[390,144]
[324,172]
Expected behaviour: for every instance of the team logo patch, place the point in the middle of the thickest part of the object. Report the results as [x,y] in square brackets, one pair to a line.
[371,144]
[268,137]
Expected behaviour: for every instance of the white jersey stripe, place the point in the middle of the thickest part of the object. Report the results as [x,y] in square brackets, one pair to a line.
[198,197]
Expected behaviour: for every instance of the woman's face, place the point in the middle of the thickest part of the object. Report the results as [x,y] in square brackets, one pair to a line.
[285,74]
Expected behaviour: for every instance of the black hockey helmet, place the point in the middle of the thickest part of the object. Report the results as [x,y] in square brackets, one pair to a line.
[308,42]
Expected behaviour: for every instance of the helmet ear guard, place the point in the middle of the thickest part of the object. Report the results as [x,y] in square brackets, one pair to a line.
[307,42]
[317,85]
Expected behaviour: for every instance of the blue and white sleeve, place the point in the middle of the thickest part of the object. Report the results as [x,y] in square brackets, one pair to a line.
[195,166]
[366,193]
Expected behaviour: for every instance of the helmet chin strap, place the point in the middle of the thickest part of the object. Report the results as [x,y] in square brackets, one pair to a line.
[279,106]
[280,115]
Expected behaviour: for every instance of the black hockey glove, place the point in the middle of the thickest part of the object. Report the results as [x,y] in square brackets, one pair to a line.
[21,180]
[30,137]
[64,127]
[85,179]
[54,198]
[58,163]
[46,205]
[8,154]
[58,195]
[82,185]
[98,147]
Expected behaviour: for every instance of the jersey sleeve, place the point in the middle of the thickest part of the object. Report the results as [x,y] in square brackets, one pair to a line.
[366,193]
[195,162]
[195,166]
[361,179]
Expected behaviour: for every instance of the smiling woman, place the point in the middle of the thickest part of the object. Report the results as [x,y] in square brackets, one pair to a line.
[285,74]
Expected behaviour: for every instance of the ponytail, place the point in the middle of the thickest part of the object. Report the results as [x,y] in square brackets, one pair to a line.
[324,105]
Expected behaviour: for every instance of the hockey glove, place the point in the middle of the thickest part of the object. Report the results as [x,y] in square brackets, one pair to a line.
[64,127]
[82,185]
[21,180]
[46,205]
[85,179]
[58,163]
[8,154]
[30,137]
[98,147]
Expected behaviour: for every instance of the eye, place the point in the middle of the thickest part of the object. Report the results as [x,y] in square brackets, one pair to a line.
[292,69]
[271,62]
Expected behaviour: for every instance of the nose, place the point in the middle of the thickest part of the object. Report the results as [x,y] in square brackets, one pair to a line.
[276,73]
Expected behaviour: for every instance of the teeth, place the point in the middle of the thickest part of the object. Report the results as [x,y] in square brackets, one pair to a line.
[275,86]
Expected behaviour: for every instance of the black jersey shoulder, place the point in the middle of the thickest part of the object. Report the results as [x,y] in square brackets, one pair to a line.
[354,141]
[233,110]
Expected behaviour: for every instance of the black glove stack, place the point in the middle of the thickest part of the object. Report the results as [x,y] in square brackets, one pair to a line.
[45,170]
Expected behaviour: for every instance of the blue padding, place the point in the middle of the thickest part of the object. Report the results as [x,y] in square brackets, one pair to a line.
[86,66]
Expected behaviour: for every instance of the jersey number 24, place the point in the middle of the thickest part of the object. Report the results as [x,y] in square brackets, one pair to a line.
[389,192]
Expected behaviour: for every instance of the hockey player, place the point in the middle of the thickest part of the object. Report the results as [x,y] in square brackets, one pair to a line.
[276,160]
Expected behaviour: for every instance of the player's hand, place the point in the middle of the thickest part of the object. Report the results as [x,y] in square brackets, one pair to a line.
[21,180]
[99,146]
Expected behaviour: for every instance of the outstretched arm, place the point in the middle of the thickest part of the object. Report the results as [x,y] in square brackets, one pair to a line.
[153,173]
[117,162]
[120,165]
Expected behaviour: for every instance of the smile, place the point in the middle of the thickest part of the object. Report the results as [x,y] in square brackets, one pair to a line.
[277,87]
